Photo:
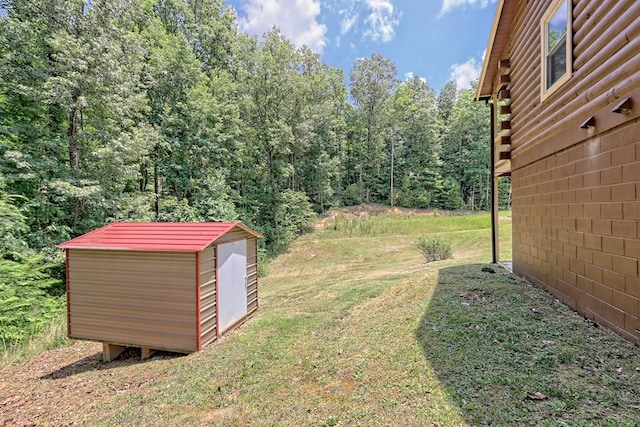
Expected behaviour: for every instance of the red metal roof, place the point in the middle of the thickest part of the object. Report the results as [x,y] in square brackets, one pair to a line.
[155,236]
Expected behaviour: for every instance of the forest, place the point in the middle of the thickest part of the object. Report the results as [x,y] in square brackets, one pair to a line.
[162,110]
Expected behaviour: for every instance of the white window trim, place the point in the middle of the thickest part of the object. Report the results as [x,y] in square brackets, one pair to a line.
[551,10]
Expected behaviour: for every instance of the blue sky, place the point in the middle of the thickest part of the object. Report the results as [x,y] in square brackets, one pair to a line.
[439,40]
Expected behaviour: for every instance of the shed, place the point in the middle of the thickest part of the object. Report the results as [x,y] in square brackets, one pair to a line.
[160,286]
[562,78]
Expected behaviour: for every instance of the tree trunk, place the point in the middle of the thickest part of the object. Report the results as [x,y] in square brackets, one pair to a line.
[156,190]
[144,176]
[72,132]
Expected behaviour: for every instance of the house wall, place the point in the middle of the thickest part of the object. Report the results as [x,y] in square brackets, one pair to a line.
[575,192]
[145,299]
[575,227]
[606,40]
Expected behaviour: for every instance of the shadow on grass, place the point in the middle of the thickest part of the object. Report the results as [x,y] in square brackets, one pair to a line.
[508,353]
[131,356]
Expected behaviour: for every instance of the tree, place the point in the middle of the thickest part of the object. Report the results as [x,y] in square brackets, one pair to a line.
[373,81]
[319,132]
[128,110]
[71,84]
[446,101]
[466,146]
[413,129]
[193,109]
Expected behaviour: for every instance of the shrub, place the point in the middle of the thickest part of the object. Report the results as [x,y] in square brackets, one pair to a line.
[26,303]
[294,216]
[433,248]
[353,195]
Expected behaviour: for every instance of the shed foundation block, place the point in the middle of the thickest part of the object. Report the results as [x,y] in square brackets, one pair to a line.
[146,352]
[111,351]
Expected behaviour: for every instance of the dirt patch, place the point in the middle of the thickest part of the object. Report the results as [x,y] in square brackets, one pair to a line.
[351,212]
[59,387]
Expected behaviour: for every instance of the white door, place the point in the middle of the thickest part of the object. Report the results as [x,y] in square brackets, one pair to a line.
[232,286]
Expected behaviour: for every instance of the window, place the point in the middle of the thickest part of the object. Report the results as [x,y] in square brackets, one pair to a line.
[556,46]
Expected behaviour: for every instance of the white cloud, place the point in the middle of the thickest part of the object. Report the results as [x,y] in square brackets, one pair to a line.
[375,19]
[464,74]
[348,21]
[297,20]
[410,75]
[382,20]
[449,5]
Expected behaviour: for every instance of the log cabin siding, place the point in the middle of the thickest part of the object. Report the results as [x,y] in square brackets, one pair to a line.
[606,69]
[141,298]
[575,192]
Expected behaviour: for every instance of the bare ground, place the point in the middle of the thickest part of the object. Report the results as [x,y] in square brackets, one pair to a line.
[59,386]
[365,209]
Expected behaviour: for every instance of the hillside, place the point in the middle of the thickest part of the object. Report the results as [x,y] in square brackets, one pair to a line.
[354,328]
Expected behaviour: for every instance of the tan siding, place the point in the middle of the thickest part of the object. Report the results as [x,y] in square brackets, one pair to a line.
[252,264]
[138,298]
[575,194]
[252,275]
[208,295]
[575,227]
[234,235]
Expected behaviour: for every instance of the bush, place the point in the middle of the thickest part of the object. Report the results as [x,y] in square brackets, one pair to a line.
[26,303]
[433,248]
[294,216]
[353,195]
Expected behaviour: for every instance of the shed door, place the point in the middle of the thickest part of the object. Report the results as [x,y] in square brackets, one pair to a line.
[232,286]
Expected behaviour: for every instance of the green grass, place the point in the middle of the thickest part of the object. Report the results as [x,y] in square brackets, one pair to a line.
[494,340]
[361,331]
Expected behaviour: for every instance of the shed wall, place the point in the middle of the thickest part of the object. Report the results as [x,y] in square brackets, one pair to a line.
[130,297]
[208,325]
[575,208]
[252,264]
[208,279]
[252,275]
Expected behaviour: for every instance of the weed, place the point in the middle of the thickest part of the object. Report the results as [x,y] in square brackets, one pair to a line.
[332,421]
[433,248]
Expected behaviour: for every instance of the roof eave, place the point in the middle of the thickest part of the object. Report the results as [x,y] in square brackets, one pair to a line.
[487,75]
[249,230]
[70,243]
[80,242]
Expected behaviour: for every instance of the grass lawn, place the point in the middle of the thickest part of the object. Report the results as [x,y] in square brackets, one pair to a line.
[354,328]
